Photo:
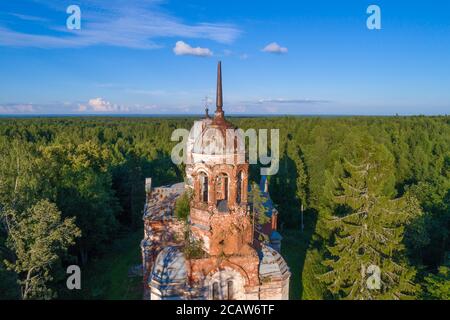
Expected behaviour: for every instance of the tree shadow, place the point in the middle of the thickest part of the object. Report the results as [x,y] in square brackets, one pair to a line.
[296,242]
[128,180]
[294,249]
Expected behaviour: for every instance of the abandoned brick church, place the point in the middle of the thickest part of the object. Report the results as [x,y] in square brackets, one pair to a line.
[236,263]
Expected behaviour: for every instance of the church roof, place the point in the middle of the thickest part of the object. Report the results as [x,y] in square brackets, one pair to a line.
[169,275]
[170,266]
[272,265]
[161,204]
[209,136]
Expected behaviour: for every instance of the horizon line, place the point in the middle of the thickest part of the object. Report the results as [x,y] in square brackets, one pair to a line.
[234,115]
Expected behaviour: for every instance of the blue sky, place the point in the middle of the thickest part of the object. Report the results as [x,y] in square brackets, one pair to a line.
[159,57]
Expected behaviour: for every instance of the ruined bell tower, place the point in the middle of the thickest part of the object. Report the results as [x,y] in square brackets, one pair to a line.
[219,215]
[233,264]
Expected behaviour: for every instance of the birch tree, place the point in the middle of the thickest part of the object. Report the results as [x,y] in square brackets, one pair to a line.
[38,237]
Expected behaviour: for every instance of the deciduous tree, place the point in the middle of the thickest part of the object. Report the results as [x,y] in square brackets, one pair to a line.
[38,237]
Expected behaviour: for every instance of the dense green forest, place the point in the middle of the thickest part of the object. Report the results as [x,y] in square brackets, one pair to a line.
[376,191]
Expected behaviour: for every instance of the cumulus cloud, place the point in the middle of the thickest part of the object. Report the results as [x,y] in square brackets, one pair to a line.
[92,106]
[182,48]
[99,105]
[275,48]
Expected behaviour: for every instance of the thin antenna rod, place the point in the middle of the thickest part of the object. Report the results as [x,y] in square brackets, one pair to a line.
[206,106]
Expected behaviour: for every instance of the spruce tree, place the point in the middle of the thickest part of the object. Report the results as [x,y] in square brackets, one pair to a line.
[259,217]
[366,257]
[437,286]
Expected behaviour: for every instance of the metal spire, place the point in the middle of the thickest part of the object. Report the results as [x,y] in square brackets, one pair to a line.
[219,98]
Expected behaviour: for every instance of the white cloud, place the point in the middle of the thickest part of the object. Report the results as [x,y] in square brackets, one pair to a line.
[16,108]
[131,24]
[99,105]
[275,48]
[29,18]
[243,56]
[92,106]
[182,48]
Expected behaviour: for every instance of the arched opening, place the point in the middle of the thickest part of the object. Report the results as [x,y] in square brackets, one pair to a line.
[215,291]
[222,191]
[239,187]
[204,187]
[226,283]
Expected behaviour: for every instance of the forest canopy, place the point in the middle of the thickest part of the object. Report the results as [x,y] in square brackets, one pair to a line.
[351,174]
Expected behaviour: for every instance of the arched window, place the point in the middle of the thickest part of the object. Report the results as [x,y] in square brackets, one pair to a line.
[221,189]
[230,290]
[204,187]
[225,186]
[215,291]
[239,188]
[222,186]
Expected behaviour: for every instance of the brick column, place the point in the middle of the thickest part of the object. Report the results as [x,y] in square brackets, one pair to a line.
[211,190]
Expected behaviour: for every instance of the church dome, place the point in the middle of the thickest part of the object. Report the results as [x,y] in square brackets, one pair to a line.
[272,265]
[170,267]
[168,279]
[214,140]
[195,132]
